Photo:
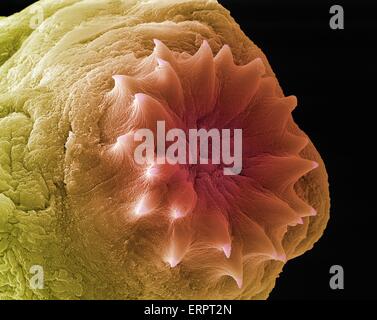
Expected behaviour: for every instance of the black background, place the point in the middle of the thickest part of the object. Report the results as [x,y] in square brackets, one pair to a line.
[332,74]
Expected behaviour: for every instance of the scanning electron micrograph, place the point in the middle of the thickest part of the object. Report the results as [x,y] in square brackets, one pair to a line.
[147,151]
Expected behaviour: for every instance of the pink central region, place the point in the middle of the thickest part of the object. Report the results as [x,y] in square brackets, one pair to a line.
[230,218]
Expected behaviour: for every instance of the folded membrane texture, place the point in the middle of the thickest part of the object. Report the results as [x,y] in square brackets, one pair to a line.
[65,199]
